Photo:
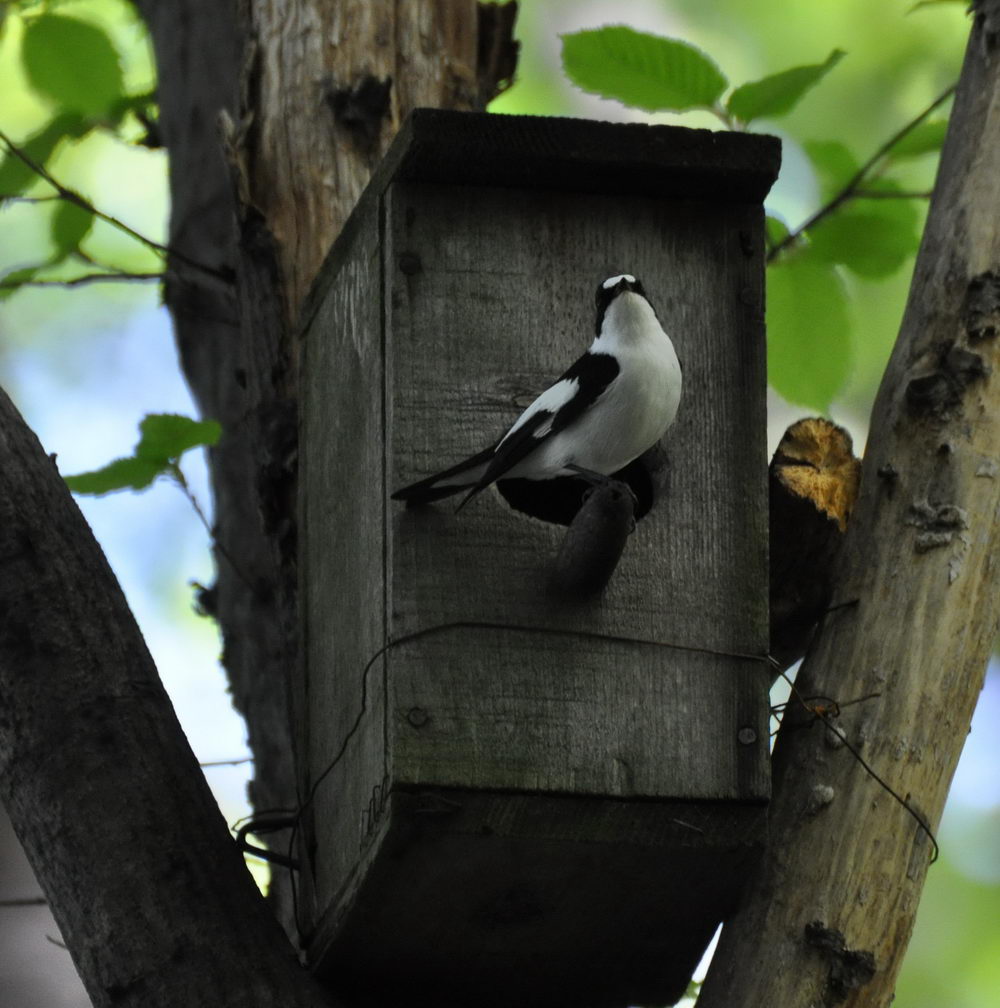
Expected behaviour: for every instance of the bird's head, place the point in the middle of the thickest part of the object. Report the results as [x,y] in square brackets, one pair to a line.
[612,289]
[613,286]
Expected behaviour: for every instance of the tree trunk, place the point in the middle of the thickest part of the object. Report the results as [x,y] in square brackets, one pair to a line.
[915,614]
[147,887]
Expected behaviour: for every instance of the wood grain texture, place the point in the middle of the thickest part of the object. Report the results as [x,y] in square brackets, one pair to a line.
[471,347]
[685,575]
[309,169]
[342,562]
[813,483]
[442,311]
[507,710]
[574,155]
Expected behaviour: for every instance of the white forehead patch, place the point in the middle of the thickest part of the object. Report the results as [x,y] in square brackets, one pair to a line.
[612,281]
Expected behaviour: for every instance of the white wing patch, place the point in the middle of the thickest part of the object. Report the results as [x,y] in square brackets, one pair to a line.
[611,281]
[551,400]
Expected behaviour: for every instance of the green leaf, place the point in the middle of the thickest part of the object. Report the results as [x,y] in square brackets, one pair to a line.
[808,344]
[645,71]
[166,436]
[935,3]
[72,63]
[834,163]
[871,237]
[778,94]
[15,175]
[12,281]
[776,230]
[922,139]
[122,474]
[142,106]
[70,225]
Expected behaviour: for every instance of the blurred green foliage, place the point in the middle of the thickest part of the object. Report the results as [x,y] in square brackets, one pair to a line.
[73,64]
[807,317]
[77,78]
[656,74]
[777,94]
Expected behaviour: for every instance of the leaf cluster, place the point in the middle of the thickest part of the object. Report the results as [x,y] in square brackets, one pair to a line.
[658,74]
[73,66]
[867,228]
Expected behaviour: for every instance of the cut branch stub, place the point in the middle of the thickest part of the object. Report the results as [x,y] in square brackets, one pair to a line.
[595,541]
[814,479]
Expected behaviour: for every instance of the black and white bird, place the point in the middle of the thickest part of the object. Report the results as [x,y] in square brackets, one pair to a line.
[605,410]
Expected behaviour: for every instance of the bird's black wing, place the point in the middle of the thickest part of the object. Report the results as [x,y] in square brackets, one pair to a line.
[593,373]
[430,489]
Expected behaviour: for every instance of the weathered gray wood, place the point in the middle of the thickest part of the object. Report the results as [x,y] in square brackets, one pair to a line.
[446,309]
[523,314]
[557,900]
[574,155]
[472,347]
[342,561]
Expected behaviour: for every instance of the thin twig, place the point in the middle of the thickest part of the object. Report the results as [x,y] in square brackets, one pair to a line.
[820,714]
[28,901]
[78,281]
[12,198]
[178,477]
[852,186]
[227,762]
[880,194]
[259,825]
[71,196]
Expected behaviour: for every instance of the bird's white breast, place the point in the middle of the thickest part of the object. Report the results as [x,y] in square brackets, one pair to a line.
[634,411]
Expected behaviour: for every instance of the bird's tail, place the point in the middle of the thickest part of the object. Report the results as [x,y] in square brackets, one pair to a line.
[464,476]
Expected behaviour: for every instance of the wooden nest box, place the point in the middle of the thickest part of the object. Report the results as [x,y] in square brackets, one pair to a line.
[517,798]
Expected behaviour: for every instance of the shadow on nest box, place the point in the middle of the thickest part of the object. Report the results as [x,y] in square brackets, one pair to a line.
[559,500]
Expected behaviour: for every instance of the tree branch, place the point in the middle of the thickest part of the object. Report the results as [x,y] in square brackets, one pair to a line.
[71,196]
[853,184]
[78,281]
[877,194]
[835,897]
[105,795]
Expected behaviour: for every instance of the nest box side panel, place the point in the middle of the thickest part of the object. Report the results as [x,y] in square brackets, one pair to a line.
[341,567]
[490,298]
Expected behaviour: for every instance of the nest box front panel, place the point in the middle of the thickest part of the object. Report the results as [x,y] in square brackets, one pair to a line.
[489,296]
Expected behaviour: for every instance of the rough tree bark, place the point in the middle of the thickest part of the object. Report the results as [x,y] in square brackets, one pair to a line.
[830,911]
[148,889]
